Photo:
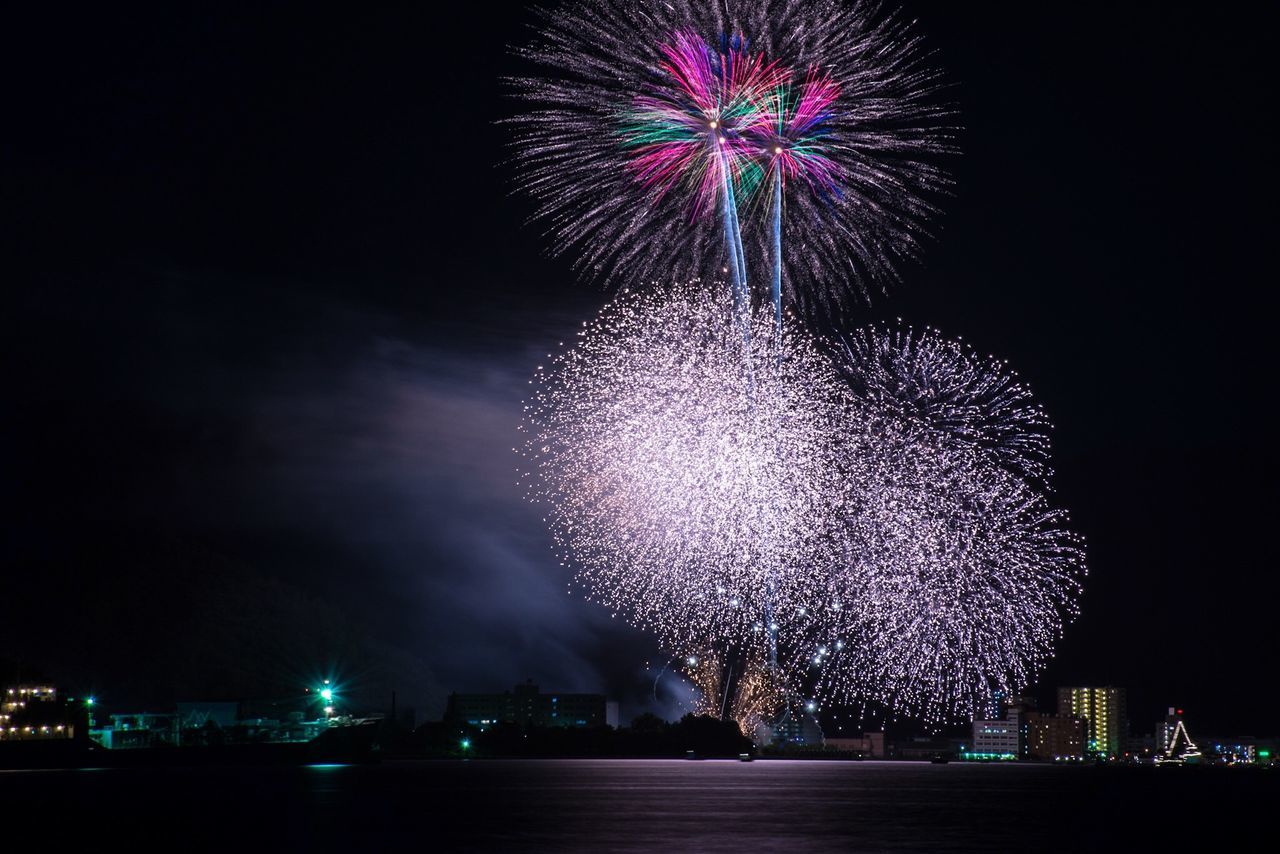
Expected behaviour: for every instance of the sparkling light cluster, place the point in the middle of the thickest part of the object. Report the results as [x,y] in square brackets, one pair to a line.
[760,698]
[834,100]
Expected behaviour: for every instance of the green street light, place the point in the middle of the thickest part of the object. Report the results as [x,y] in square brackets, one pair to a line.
[466,744]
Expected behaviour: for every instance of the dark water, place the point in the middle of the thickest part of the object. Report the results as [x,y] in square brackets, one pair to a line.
[676,805]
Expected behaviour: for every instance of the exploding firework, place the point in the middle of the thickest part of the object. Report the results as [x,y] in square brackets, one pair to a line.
[689,475]
[957,583]
[879,524]
[957,575]
[931,384]
[690,131]
[645,117]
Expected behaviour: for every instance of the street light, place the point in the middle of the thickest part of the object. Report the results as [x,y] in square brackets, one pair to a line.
[326,694]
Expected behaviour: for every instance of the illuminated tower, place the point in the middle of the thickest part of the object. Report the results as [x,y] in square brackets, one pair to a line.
[1173,742]
[1103,709]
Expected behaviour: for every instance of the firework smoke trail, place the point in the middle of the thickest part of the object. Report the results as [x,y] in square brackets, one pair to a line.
[684,501]
[600,63]
[958,575]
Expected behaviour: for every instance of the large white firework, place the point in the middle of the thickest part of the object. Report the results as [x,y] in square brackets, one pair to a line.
[880,520]
[957,575]
[690,473]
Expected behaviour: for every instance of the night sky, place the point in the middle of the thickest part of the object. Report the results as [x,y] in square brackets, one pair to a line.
[271,307]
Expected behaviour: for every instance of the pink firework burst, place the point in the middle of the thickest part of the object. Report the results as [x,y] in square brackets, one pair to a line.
[691,128]
[792,128]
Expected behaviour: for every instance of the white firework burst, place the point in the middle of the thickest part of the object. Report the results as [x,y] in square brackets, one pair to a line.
[689,472]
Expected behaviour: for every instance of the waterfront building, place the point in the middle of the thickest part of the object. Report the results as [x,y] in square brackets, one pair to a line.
[997,739]
[1167,729]
[1235,751]
[869,745]
[16,697]
[33,712]
[1056,738]
[1103,709]
[527,706]
[1173,742]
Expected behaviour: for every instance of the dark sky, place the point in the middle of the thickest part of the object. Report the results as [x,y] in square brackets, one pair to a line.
[271,309]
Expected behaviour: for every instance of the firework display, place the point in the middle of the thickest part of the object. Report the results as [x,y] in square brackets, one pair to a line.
[865,523]
[813,121]
[707,674]
[688,475]
[877,521]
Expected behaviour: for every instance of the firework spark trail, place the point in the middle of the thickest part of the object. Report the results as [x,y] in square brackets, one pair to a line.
[737,259]
[760,698]
[686,501]
[869,112]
